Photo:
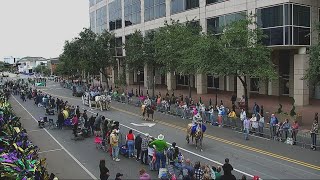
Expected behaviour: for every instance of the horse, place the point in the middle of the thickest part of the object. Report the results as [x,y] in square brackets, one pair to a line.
[198,134]
[149,110]
[103,100]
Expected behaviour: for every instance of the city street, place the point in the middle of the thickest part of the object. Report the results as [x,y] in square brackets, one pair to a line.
[80,159]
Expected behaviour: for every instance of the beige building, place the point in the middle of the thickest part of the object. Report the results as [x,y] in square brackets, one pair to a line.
[289,25]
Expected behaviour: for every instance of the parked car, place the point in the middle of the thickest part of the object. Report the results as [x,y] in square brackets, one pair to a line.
[77,91]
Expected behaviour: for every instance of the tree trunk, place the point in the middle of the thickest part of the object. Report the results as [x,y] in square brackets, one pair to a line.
[245,87]
[189,85]
[153,81]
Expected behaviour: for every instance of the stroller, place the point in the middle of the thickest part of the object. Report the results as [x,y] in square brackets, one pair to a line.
[124,150]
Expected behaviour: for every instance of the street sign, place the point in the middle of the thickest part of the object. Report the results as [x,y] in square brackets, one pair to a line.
[144,124]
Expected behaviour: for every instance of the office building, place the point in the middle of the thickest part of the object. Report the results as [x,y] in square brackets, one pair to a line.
[289,25]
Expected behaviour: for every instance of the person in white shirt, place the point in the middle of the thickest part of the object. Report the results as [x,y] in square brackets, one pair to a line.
[243,116]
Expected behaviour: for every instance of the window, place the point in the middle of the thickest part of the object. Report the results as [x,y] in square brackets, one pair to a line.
[270,17]
[132,12]
[183,5]
[91,3]
[115,17]
[215,25]
[213,82]
[213,1]
[301,16]
[92,21]
[183,80]
[154,9]
[286,24]
[97,1]
[101,19]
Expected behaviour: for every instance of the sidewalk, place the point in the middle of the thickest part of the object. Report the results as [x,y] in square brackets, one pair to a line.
[270,103]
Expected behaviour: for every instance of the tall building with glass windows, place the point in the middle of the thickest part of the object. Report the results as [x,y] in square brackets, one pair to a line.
[288,24]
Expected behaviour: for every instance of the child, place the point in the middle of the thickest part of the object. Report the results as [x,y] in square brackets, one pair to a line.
[152,158]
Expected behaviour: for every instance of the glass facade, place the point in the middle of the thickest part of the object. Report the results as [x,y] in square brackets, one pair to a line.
[91,3]
[215,25]
[183,5]
[115,16]
[286,24]
[213,1]
[97,1]
[154,9]
[93,21]
[132,12]
[101,19]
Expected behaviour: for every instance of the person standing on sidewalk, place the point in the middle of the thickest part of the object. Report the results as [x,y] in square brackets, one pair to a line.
[295,129]
[104,171]
[130,142]
[243,116]
[273,126]
[137,145]
[314,131]
[160,146]
[144,149]
[114,143]
[246,127]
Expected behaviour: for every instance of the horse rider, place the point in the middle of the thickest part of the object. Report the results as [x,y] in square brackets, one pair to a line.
[147,102]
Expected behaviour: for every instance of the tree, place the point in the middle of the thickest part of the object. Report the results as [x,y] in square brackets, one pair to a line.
[174,42]
[313,72]
[96,52]
[42,69]
[135,56]
[243,55]
[69,59]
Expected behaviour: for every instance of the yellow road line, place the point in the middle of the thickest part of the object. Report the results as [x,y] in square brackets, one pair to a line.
[301,163]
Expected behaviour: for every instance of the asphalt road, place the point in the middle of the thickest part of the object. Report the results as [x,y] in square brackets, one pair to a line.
[267,159]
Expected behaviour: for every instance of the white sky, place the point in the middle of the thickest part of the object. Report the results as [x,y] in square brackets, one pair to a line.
[40,27]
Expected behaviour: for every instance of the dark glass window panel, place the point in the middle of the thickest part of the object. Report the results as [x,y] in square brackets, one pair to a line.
[288,35]
[216,82]
[301,15]
[112,25]
[210,81]
[288,14]
[215,25]
[118,23]
[274,36]
[190,4]
[254,84]
[270,17]
[301,36]
[213,1]
[118,42]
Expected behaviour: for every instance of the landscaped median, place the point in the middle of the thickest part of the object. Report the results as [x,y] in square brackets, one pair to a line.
[19,158]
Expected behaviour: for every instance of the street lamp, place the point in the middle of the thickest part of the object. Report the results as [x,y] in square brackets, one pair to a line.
[139,81]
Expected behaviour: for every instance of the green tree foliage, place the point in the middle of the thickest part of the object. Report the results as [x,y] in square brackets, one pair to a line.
[313,72]
[177,45]
[243,55]
[135,56]
[42,69]
[96,52]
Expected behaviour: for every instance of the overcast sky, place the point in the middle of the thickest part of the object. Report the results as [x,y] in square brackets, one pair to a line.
[40,27]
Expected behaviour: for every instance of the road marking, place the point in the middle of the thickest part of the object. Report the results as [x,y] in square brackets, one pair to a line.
[144,124]
[74,158]
[190,152]
[52,150]
[301,163]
